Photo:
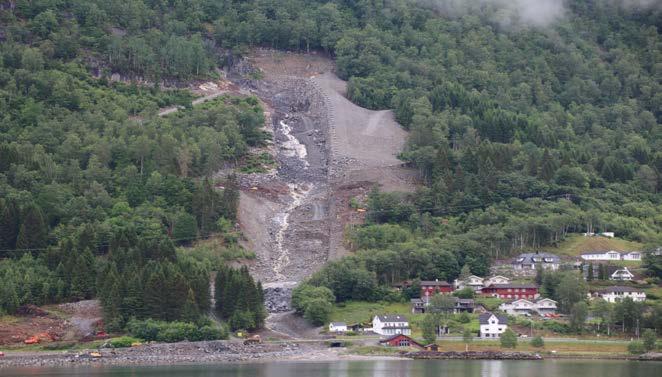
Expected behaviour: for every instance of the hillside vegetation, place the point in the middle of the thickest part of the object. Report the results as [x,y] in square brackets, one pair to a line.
[96,190]
[523,133]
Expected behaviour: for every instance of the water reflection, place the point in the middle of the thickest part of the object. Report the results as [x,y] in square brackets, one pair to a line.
[373,368]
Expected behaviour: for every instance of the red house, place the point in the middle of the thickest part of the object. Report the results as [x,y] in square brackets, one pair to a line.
[511,291]
[401,340]
[430,288]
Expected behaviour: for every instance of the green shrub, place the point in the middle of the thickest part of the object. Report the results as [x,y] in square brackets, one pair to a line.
[464,318]
[650,338]
[508,339]
[636,347]
[170,332]
[537,342]
[122,342]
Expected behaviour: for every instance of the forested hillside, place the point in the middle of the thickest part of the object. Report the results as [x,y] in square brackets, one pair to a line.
[525,127]
[522,131]
[88,169]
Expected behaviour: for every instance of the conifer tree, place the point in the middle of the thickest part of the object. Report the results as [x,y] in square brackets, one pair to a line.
[33,232]
[548,166]
[190,311]
[9,226]
[231,198]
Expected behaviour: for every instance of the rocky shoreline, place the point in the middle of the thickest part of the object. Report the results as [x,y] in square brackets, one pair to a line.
[221,352]
[166,354]
[473,355]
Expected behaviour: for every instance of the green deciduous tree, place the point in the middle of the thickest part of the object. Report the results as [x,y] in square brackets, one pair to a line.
[508,339]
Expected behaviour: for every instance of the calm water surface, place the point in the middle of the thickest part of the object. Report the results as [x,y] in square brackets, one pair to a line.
[388,368]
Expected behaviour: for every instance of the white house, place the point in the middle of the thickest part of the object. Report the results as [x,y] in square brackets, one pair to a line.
[602,255]
[473,281]
[337,327]
[527,307]
[390,325]
[498,279]
[633,255]
[611,255]
[622,274]
[517,307]
[616,294]
[531,261]
[491,325]
[546,306]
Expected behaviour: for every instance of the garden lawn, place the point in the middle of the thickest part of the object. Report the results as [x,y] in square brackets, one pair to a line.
[576,244]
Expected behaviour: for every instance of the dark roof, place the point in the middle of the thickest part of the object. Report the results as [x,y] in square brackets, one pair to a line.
[527,258]
[392,318]
[519,286]
[411,341]
[434,283]
[338,323]
[396,327]
[483,318]
[619,289]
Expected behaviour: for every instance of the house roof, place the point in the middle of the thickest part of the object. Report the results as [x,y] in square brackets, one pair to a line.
[474,277]
[619,289]
[337,324]
[497,276]
[392,318]
[484,318]
[519,300]
[434,283]
[411,341]
[506,286]
[528,258]
[622,271]
[545,299]
[601,252]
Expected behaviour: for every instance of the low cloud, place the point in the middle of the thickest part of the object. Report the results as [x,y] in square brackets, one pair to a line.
[507,13]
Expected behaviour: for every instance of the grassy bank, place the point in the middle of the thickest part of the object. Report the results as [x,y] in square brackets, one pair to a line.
[576,244]
[568,349]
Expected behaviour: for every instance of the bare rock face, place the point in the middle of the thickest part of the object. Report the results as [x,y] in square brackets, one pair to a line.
[277,299]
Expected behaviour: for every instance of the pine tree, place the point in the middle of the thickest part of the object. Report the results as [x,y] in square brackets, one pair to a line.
[548,166]
[8,298]
[231,198]
[190,312]
[601,272]
[9,226]
[154,293]
[33,232]
[589,276]
[111,300]
[132,302]
[82,280]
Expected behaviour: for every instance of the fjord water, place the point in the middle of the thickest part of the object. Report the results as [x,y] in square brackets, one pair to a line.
[377,368]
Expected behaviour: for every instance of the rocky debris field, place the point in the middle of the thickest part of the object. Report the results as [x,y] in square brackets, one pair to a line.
[163,353]
[277,299]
